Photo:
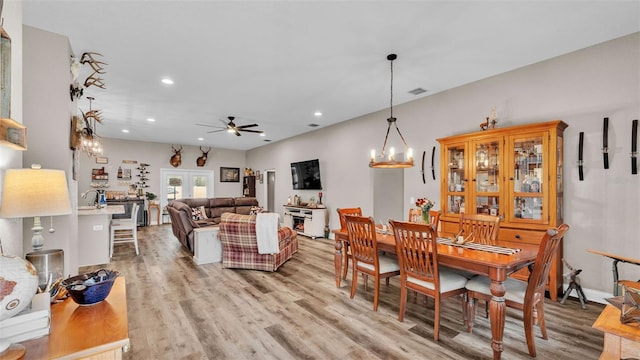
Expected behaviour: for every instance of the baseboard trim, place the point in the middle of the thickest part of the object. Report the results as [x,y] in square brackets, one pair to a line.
[592,295]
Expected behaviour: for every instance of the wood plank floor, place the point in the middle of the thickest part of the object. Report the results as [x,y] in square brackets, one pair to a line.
[178,310]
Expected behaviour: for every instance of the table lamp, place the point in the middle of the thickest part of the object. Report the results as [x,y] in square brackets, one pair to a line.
[34,193]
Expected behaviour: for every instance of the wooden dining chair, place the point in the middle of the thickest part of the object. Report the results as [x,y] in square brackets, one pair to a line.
[345,245]
[434,219]
[483,228]
[365,256]
[526,296]
[415,215]
[419,271]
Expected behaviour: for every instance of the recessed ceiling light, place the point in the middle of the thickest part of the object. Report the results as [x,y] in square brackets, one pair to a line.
[125,130]
[317,114]
[313,125]
[200,139]
[151,120]
[417,91]
[167,81]
[263,134]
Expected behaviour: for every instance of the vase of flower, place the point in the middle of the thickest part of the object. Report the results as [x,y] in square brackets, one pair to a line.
[425,214]
[425,205]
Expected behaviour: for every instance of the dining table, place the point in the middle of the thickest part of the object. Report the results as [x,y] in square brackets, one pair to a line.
[496,265]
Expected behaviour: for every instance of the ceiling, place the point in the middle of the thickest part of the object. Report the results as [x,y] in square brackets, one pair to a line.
[275,63]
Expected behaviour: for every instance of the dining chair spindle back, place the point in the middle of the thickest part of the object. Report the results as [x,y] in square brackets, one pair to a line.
[365,256]
[419,271]
[526,296]
[346,254]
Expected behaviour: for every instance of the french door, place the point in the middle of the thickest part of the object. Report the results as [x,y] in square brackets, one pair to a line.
[178,184]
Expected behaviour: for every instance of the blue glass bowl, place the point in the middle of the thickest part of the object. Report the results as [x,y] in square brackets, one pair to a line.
[90,288]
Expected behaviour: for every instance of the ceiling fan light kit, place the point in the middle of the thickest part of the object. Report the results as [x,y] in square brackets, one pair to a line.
[391,162]
[232,128]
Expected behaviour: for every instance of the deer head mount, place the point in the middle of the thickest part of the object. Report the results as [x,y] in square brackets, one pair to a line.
[202,160]
[176,158]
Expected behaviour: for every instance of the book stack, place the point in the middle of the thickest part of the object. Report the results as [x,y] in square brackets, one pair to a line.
[33,322]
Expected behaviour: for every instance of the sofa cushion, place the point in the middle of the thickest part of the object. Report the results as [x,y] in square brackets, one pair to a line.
[244,205]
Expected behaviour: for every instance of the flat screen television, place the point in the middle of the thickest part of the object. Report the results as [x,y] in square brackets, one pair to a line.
[305,175]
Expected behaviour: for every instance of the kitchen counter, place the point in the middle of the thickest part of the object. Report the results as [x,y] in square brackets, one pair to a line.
[108,210]
[93,233]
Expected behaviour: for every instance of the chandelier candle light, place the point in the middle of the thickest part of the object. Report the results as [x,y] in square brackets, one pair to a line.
[391,162]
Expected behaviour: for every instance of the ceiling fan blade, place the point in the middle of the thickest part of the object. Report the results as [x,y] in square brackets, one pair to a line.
[246,126]
[237,133]
[206,125]
[252,131]
[215,131]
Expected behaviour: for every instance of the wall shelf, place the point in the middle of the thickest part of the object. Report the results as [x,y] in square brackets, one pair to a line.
[13,134]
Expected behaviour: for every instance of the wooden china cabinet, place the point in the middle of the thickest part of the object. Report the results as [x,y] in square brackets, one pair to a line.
[515,173]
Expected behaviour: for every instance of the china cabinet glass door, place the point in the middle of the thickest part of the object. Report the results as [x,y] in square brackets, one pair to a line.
[456,179]
[528,174]
[486,179]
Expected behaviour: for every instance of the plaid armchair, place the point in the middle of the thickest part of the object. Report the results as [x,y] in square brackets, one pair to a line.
[240,247]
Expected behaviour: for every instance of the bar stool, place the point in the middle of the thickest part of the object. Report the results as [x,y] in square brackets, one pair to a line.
[154,206]
[125,230]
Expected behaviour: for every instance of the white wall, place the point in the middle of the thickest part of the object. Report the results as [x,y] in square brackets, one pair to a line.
[158,155]
[580,88]
[47,114]
[11,229]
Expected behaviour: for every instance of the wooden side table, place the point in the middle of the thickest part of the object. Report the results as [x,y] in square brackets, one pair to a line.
[206,245]
[94,332]
[621,341]
[157,207]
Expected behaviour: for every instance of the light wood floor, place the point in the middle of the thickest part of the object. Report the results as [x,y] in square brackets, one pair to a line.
[178,310]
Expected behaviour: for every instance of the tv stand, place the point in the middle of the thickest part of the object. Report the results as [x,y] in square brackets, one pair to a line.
[306,221]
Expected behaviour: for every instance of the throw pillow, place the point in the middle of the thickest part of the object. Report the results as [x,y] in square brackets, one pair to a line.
[203,211]
[196,214]
[256,209]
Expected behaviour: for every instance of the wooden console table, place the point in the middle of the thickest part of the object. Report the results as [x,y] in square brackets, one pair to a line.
[95,332]
[621,341]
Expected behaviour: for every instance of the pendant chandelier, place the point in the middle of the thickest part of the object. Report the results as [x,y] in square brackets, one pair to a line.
[89,140]
[391,161]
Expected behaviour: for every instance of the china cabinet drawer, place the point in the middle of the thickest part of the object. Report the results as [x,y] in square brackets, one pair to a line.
[519,236]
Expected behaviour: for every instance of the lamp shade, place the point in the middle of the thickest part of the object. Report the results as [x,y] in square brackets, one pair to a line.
[34,192]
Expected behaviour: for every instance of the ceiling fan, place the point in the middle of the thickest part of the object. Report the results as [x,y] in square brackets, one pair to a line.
[233,128]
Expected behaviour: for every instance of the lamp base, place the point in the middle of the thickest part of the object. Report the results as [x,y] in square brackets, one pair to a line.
[13,352]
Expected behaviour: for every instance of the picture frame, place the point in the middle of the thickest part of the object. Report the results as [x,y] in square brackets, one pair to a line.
[102,160]
[228,174]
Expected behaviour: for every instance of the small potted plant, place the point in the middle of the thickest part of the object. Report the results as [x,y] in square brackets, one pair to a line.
[151,197]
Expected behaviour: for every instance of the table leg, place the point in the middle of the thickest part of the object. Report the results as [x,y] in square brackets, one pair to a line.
[615,277]
[338,260]
[497,309]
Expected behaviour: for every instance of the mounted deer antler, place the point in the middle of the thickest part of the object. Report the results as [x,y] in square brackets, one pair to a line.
[87,58]
[92,114]
[203,159]
[176,159]
[93,79]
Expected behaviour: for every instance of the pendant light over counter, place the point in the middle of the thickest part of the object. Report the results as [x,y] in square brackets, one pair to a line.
[390,160]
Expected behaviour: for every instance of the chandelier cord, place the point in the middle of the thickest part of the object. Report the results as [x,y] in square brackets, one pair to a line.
[392,119]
